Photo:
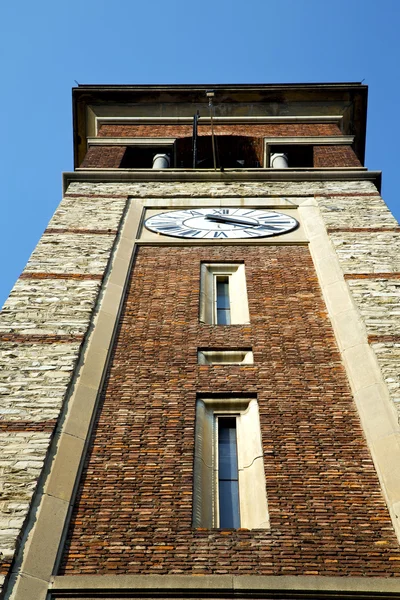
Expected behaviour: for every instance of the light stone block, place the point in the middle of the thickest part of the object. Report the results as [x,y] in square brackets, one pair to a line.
[361,367]
[368,252]
[34,379]
[388,356]
[378,301]
[356,211]
[376,411]
[119,271]
[385,448]
[22,459]
[43,540]
[29,588]
[338,298]
[327,268]
[80,411]
[93,367]
[88,213]
[349,328]
[49,306]
[71,253]
[111,299]
[175,189]
[64,467]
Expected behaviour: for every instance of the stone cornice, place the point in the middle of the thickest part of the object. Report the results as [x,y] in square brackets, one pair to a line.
[312,140]
[131,175]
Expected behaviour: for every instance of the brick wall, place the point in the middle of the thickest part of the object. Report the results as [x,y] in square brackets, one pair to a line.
[335,156]
[252,130]
[324,156]
[104,157]
[134,508]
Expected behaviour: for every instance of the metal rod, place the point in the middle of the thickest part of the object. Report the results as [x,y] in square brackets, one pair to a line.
[210,105]
[194,139]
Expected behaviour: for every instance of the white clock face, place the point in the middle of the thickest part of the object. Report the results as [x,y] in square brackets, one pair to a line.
[221,223]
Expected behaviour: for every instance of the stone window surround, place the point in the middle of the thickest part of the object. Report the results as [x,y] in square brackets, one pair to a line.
[170,143]
[342,140]
[252,491]
[167,144]
[221,356]
[237,292]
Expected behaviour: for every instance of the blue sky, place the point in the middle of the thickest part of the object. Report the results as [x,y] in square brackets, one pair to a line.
[45,46]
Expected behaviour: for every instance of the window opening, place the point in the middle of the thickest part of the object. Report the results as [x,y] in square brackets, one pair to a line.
[229,479]
[223,294]
[297,156]
[228,476]
[222,300]
[142,156]
[221,356]
[232,152]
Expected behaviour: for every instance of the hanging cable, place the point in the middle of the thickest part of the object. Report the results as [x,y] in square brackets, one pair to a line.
[210,96]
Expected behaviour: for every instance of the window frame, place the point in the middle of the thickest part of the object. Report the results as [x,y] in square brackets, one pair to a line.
[253,505]
[238,301]
[223,356]
[342,140]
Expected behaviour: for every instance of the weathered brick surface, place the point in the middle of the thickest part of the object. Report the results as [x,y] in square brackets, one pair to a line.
[251,130]
[324,156]
[133,512]
[103,156]
[28,425]
[83,231]
[252,149]
[335,156]
[73,276]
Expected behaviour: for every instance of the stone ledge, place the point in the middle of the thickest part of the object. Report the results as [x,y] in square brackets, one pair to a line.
[148,175]
[182,585]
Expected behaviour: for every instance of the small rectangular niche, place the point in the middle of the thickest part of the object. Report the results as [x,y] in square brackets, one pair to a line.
[217,356]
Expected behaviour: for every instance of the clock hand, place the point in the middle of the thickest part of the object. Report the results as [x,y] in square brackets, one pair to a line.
[234,220]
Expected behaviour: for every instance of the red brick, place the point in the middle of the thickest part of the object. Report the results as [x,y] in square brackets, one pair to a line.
[327,513]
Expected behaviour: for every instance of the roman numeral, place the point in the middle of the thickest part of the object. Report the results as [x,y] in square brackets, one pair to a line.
[191,232]
[270,228]
[163,223]
[174,228]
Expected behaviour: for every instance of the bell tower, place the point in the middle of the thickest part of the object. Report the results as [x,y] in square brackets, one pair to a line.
[201,356]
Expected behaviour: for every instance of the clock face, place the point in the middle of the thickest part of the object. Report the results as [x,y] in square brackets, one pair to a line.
[221,223]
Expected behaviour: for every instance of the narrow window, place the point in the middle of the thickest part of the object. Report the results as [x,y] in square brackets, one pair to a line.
[223,294]
[228,475]
[222,300]
[229,479]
